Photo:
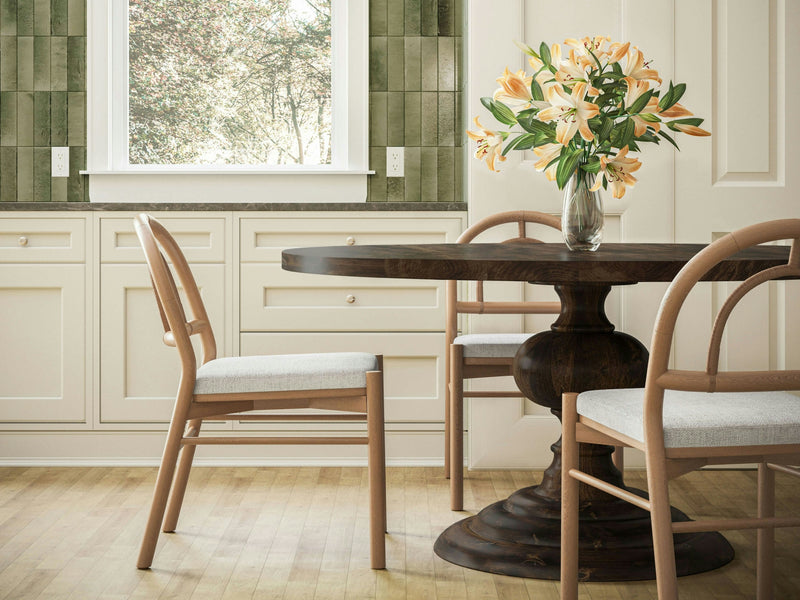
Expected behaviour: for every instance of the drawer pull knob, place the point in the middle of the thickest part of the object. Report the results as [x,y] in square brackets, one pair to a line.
[23,241]
[350,240]
[350,298]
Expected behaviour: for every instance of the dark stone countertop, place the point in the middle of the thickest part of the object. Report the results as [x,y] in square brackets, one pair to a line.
[233,206]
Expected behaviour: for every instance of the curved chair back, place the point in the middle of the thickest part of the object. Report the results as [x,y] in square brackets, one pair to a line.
[480,305]
[159,246]
[660,377]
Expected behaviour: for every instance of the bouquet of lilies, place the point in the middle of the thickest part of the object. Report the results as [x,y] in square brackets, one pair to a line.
[584,110]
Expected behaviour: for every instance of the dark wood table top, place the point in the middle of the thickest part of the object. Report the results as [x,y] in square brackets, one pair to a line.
[536,263]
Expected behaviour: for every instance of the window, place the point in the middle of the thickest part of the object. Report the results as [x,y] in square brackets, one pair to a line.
[222,99]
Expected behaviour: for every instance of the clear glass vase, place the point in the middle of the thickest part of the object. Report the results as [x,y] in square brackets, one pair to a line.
[582,215]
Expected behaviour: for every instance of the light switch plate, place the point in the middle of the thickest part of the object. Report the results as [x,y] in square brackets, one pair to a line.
[59,160]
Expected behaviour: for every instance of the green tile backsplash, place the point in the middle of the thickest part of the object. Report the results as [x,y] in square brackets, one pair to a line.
[416,83]
[42,98]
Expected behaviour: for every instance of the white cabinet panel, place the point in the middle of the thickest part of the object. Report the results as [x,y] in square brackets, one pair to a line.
[43,349]
[201,239]
[24,240]
[413,365]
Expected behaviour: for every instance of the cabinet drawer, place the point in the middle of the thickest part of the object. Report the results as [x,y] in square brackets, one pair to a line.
[42,240]
[202,240]
[412,364]
[277,300]
[263,239]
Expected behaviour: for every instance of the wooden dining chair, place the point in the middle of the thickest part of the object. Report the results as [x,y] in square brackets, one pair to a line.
[684,420]
[348,385]
[477,355]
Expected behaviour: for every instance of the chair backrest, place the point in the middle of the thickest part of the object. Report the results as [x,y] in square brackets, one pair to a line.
[660,377]
[159,247]
[480,305]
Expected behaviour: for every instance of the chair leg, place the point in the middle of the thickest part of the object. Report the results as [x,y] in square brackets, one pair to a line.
[377,469]
[456,427]
[163,483]
[661,519]
[181,478]
[448,395]
[569,499]
[766,536]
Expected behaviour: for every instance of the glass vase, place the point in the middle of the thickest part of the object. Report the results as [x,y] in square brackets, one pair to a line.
[582,215]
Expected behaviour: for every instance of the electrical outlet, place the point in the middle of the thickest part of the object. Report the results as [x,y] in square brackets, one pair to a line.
[59,160]
[395,162]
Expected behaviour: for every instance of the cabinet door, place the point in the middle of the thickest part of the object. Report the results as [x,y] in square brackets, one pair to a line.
[138,372]
[43,349]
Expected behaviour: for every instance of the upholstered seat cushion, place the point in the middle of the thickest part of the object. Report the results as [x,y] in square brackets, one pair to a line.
[491,345]
[697,419]
[242,374]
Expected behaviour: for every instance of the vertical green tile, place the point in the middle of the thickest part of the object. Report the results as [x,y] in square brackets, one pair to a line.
[447,121]
[41,17]
[41,174]
[76,118]
[8,17]
[377,182]
[447,65]
[8,174]
[24,17]
[430,67]
[428,174]
[430,17]
[378,64]
[445,177]
[459,63]
[25,63]
[413,119]
[41,63]
[58,189]
[76,64]
[76,17]
[412,64]
[25,174]
[58,17]
[395,189]
[8,118]
[8,63]
[378,15]
[396,63]
[446,17]
[396,18]
[58,63]
[413,174]
[458,27]
[378,115]
[24,118]
[396,115]
[41,118]
[77,162]
[413,24]
[430,119]
[58,119]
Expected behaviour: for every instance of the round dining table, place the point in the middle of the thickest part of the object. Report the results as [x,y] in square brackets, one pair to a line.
[520,536]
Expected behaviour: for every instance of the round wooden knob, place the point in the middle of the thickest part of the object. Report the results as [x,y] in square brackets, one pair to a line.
[350,299]
[23,241]
[350,240]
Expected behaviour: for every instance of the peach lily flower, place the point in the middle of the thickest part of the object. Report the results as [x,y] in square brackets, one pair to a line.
[490,144]
[636,68]
[546,153]
[514,90]
[617,172]
[571,112]
[675,111]
[595,45]
[691,129]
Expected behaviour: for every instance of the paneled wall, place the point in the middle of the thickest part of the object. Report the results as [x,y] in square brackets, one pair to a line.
[42,98]
[416,78]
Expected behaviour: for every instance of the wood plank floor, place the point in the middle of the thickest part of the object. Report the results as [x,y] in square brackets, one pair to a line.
[73,533]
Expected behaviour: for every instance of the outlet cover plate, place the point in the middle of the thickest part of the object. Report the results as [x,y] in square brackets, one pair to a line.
[59,160]
[395,161]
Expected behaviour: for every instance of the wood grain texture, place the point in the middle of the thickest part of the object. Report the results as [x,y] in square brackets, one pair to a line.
[301,533]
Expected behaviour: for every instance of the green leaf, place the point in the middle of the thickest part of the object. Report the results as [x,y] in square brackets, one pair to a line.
[536,90]
[534,125]
[567,165]
[668,138]
[672,96]
[605,129]
[640,103]
[501,112]
[690,121]
[525,141]
[591,167]
[649,117]
[544,53]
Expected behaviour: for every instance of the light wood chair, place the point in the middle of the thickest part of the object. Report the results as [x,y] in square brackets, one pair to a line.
[684,420]
[478,355]
[349,385]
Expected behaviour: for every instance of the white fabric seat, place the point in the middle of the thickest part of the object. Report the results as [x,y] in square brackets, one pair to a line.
[491,345]
[700,419]
[287,372]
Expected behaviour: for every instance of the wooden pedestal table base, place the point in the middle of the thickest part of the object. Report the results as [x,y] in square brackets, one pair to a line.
[520,536]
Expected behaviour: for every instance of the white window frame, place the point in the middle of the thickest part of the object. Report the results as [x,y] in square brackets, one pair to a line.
[112,179]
